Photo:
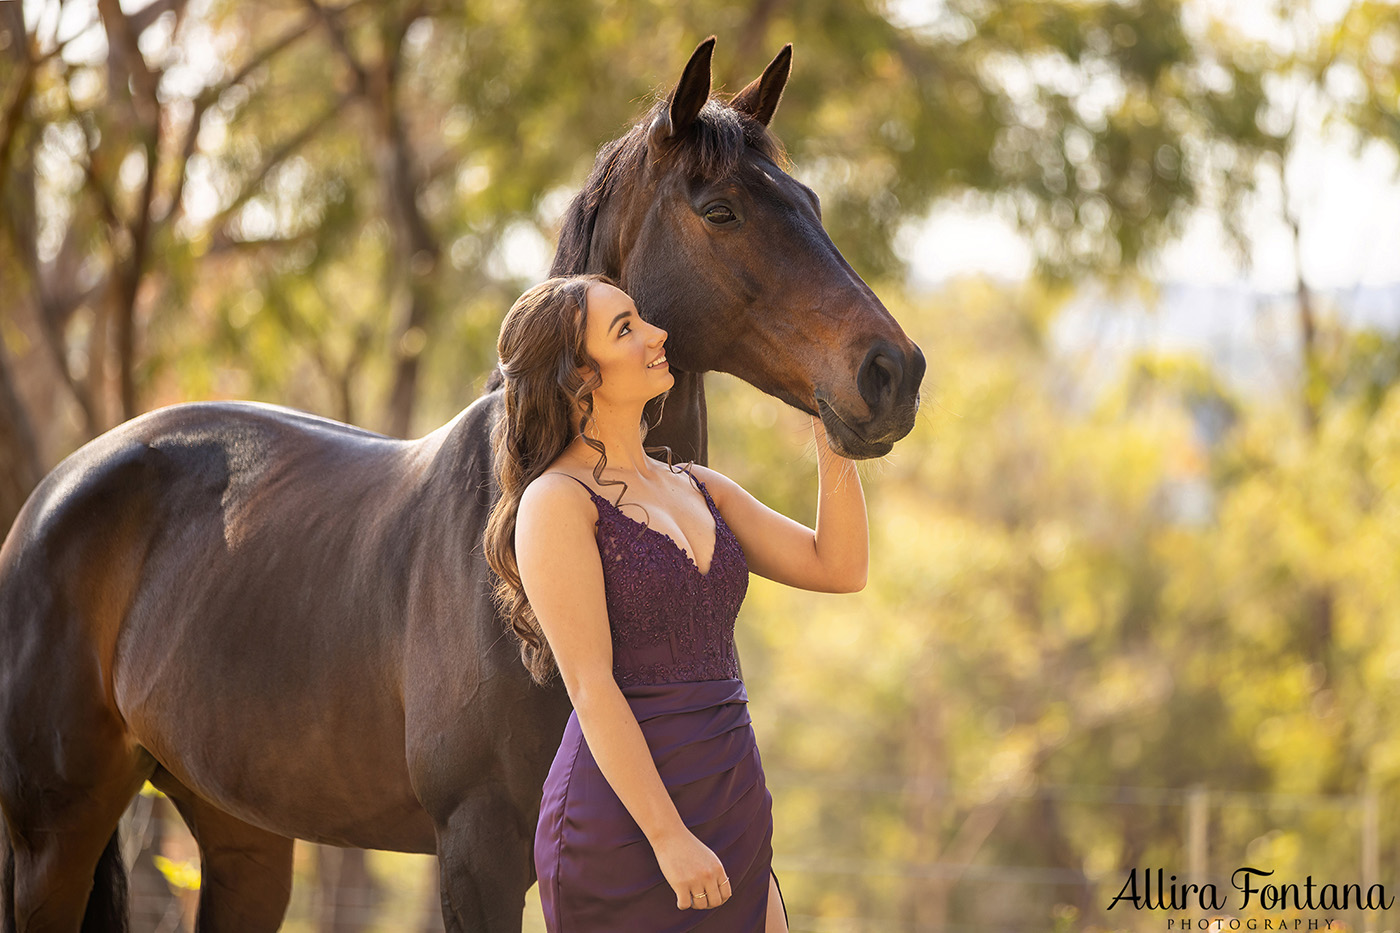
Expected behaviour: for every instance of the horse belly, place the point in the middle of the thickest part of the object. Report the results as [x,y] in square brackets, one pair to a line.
[289,766]
[283,712]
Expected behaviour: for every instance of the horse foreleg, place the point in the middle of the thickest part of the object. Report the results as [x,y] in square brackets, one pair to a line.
[246,872]
[484,853]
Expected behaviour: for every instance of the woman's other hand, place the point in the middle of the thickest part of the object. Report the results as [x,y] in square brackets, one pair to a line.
[692,869]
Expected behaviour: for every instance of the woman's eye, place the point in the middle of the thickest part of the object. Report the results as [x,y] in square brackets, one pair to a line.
[719,214]
[623,329]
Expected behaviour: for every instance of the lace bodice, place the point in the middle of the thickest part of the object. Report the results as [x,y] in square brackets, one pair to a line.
[670,623]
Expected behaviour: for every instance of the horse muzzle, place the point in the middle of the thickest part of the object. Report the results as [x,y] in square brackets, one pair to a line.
[888,381]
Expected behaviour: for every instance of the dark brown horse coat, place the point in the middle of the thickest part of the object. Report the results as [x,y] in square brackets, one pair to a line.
[285,622]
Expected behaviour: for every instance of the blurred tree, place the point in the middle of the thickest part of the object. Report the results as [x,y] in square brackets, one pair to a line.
[93,183]
[201,163]
[1320,67]
[1336,70]
[327,206]
[20,459]
[1050,655]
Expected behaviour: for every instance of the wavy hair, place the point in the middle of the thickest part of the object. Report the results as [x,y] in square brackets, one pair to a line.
[541,350]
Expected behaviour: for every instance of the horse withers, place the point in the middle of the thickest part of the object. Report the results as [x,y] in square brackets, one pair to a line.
[285,623]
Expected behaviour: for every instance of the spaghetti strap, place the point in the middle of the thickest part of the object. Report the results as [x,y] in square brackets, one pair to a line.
[704,491]
[581,483]
[693,478]
[598,497]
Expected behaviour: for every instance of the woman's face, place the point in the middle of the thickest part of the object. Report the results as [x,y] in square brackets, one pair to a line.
[629,351]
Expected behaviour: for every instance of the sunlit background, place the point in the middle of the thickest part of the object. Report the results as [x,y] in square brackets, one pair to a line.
[1135,587]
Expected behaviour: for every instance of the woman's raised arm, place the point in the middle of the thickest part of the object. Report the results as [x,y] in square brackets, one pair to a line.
[562,574]
[833,557]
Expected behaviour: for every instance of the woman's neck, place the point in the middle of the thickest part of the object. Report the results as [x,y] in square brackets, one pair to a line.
[621,433]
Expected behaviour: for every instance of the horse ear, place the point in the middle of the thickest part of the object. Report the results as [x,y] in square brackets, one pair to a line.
[760,99]
[689,95]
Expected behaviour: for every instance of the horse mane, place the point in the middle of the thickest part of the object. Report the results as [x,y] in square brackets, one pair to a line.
[710,148]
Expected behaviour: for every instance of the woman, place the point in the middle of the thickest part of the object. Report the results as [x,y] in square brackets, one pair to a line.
[655,814]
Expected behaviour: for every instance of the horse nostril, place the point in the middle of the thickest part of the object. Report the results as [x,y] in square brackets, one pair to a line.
[916,369]
[880,375]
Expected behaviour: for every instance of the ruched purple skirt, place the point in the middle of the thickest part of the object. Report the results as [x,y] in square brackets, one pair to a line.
[597,871]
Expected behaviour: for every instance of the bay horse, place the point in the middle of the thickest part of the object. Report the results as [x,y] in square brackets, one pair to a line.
[285,623]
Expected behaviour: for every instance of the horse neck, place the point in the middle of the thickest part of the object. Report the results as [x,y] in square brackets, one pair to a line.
[683,425]
[683,418]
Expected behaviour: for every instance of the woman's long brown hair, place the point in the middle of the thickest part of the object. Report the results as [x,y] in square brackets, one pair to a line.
[541,349]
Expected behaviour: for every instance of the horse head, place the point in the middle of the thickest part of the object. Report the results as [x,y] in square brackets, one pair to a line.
[694,212]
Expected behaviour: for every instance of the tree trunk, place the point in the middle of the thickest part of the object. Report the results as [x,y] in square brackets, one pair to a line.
[1320,604]
[432,908]
[125,60]
[20,464]
[417,252]
[349,893]
[153,905]
[1062,854]
[1313,377]
[416,248]
[926,898]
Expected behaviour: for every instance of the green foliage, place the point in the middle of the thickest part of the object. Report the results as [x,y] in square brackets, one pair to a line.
[406,149]
[1048,657]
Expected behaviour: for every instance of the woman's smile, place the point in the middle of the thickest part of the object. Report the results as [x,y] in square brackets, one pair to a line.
[618,339]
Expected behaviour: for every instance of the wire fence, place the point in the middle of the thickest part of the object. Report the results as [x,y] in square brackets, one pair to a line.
[345,891]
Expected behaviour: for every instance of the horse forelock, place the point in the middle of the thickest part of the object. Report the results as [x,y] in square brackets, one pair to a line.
[710,148]
[716,142]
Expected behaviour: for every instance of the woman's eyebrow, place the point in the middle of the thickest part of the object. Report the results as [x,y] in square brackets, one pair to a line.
[618,318]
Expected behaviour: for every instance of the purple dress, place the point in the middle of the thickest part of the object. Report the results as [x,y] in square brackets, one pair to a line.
[672,634]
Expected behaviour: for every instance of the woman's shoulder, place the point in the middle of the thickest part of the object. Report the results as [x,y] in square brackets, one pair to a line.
[556,521]
[563,471]
[555,490]
[718,485]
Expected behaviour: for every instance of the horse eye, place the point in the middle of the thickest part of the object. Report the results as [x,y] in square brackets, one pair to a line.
[719,214]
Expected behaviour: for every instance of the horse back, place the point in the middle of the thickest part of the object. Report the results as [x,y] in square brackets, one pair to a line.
[245,575]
